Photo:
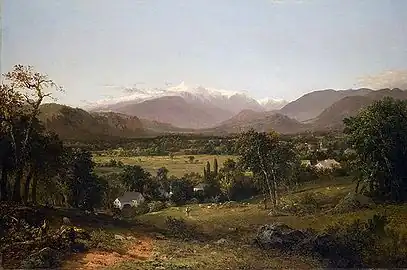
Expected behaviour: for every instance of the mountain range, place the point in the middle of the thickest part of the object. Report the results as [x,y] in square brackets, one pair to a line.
[185,106]
[201,110]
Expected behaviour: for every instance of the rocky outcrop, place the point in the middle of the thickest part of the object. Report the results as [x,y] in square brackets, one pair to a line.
[325,247]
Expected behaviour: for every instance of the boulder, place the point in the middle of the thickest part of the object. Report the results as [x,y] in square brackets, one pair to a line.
[353,201]
[46,258]
[279,236]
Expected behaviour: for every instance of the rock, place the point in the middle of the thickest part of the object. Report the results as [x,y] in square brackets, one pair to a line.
[130,238]
[66,221]
[353,201]
[221,241]
[279,235]
[119,237]
[46,258]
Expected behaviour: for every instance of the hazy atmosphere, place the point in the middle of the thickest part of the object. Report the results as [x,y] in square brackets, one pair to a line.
[203,134]
[275,49]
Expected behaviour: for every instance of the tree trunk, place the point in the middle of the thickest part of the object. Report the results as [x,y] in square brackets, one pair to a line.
[275,197]
[357,186]
[3,184]
[266,176]
[27,184]
[34,189]
[17,184]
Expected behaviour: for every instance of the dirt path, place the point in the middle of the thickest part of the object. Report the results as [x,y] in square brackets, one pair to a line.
[138,249]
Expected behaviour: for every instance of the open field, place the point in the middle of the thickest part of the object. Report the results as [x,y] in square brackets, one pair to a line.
[177,166]
[222,234]
[237,224]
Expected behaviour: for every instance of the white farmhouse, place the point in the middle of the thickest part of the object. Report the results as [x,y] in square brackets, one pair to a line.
[327,164]
[131,198]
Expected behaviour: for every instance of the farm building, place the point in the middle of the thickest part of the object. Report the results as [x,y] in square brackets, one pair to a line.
[131,198]
[327,164]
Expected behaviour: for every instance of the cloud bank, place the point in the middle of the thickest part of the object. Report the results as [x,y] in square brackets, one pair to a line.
[387,79]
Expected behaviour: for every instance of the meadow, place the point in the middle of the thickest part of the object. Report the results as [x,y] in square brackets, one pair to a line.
[235,225]
[177,166]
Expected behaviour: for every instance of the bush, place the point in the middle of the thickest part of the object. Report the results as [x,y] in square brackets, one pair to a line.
[180,229]
[104,241]
[156,206]
[373,241]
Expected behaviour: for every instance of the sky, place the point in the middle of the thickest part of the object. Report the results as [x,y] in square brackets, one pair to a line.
[269,48]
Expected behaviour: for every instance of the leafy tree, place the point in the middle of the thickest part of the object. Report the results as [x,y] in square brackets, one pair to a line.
[135,178]
[268,158]
[86,189]
[45,159]
[21,94]
[228,177]
[378,134]
[182,190]
[215,167]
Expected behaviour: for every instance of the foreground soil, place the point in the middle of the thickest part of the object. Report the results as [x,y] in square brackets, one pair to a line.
[138,249]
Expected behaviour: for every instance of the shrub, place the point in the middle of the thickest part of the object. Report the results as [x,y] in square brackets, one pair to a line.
[181,229]
[156,206]
[372,241]
[104,241]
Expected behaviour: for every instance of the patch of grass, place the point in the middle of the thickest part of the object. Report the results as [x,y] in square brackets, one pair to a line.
[105,241]
[189,255]
[177,166]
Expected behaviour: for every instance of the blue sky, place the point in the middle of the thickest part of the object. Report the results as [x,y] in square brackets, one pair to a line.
[278,49]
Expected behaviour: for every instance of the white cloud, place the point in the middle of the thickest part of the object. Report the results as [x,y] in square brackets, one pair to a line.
[387,79]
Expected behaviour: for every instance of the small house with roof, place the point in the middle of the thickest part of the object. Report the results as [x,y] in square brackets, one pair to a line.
[327,164]
[131,198]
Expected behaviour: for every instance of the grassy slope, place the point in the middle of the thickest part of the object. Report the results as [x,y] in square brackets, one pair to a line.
[177,166]
[238,225]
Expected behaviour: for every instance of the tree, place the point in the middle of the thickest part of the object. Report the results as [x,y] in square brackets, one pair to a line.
[85,188]
[191,159]
[268,158]
[22,92]
[135,178]
[378,135]
[45,160]
[208,169]
[182,190]
[215,167]
[227,177]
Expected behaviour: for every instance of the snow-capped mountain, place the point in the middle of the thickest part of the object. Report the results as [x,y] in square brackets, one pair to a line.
[216,104]
[270,104]
[233,100]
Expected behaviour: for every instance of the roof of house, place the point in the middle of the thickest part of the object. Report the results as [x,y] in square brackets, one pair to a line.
[328,163]
[130,196]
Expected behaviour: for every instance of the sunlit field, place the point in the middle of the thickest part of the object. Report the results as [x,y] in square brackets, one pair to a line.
[177,166]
